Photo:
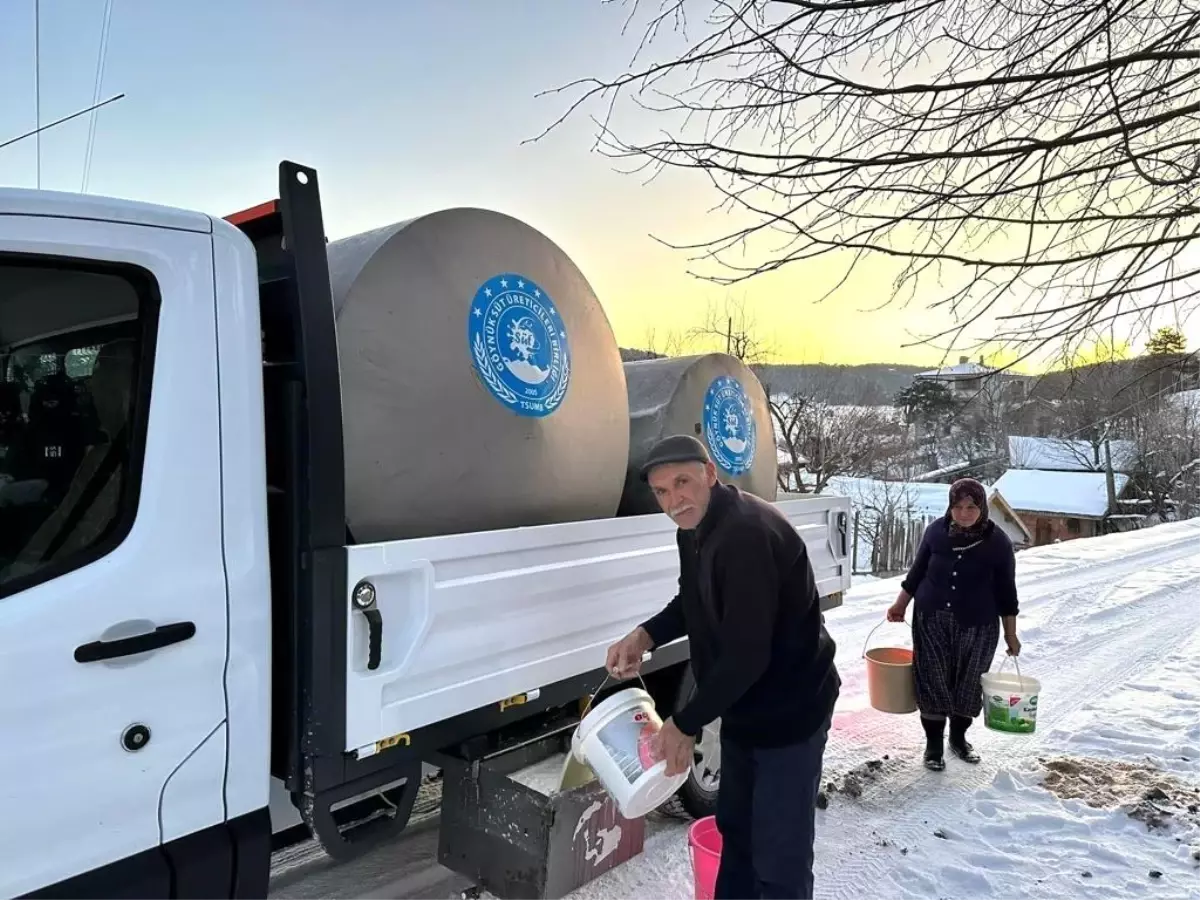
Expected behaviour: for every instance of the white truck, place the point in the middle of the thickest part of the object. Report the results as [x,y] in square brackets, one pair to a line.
[183,618]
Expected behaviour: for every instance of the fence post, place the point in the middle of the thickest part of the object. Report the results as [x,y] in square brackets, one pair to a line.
[854,546]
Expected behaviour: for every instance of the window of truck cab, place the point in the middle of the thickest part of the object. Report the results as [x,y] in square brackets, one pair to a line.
[76,361]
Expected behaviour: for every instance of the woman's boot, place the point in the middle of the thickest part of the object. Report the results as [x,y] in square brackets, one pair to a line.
[959,745]
[935,730]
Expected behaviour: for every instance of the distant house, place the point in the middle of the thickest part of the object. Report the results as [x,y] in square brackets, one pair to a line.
[1060,505]
[1052,454]
[964,378]
[983,397]
[1007,519]
[968,378]
[890,517]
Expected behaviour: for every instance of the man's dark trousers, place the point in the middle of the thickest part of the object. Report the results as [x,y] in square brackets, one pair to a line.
[766,813]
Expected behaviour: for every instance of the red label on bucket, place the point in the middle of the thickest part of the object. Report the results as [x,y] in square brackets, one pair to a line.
[647,749]
[630,741]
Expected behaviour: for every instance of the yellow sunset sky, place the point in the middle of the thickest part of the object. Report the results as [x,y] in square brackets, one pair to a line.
[406,108]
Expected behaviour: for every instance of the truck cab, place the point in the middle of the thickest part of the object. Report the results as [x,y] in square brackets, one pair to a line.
[134,589]
[184,618]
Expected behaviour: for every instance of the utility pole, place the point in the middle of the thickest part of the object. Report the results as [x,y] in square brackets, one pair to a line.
[1109,480]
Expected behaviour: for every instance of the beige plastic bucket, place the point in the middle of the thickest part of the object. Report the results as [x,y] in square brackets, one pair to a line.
[890,684]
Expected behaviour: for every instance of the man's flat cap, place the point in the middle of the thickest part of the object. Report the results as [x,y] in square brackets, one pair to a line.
[674,449]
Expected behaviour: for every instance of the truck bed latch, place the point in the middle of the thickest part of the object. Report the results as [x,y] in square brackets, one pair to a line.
[364,601]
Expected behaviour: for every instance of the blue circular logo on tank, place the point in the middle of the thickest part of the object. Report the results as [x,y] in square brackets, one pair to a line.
[518,345]
[729,425]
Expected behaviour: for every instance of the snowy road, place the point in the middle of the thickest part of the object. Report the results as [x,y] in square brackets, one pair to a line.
[1111,626]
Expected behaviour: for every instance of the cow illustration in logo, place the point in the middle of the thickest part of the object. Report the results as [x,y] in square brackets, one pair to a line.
[729,428]
[519,346]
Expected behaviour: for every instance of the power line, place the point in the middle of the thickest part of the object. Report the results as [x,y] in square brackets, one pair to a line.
[101,59]
[56,122]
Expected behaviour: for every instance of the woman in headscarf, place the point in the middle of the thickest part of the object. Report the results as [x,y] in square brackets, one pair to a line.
[963,580]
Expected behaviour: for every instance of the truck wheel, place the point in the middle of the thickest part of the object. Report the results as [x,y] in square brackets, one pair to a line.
[698,796]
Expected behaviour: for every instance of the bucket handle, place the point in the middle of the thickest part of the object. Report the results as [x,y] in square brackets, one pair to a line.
[1004,662]
[607,678]
[875,629]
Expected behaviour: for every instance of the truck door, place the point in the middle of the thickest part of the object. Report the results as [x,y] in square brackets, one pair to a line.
[112,589]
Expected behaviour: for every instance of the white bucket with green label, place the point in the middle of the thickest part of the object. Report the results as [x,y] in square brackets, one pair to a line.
[1010,701]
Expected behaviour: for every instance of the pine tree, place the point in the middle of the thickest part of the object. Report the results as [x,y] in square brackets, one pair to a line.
[1166,342]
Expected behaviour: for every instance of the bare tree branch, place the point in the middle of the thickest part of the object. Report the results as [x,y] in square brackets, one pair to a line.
[731,328]
[823,439]
[1032,159]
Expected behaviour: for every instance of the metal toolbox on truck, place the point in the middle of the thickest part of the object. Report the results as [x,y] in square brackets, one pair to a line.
[518,843]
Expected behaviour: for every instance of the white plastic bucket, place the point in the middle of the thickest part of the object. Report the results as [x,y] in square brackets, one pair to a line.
[614,740]
[1010,702]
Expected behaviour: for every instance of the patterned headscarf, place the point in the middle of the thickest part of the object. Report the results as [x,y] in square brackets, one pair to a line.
[968,488]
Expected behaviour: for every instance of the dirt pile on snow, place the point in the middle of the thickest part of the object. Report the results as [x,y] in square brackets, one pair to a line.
[1146,793]
[853,783]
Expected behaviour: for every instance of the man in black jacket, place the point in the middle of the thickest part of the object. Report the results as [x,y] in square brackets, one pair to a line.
[763,662]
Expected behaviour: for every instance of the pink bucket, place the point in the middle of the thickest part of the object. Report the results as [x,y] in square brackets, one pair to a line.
[705,843]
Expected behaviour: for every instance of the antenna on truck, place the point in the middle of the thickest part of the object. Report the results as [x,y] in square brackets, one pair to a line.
[57,122]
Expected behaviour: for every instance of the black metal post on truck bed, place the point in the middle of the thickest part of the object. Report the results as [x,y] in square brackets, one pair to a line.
[306,467]
[321,512]
[307,509]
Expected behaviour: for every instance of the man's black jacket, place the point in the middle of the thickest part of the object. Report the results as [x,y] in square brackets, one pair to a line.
[749,606]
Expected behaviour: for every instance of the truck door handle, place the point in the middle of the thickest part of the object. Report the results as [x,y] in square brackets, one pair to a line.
[374,637]
[160,637]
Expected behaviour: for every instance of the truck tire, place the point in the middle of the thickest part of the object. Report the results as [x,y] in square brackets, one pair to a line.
[697,798]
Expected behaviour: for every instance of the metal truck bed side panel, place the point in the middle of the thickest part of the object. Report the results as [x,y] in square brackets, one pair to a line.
[469,620]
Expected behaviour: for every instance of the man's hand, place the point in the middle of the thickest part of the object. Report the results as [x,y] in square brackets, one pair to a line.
[1014,643]
[625,656]
[675,747]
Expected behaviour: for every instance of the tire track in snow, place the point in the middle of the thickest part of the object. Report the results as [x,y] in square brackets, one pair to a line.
[907,806]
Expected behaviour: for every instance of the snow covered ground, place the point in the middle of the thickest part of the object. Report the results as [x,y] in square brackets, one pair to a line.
[1111,627]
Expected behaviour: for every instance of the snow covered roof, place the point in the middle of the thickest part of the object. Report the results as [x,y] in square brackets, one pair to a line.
[1185,400]
[1002,513]
[921,498]
[952,468]
[961,370]
[1063,455]
[1080,494]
